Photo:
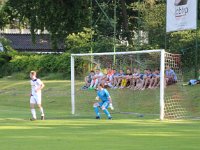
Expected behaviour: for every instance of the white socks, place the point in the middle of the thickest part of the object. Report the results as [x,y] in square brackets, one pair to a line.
[33,113]
[42,111]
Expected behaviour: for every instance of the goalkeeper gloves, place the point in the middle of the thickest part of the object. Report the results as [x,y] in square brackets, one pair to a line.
[111,106]
[97,98]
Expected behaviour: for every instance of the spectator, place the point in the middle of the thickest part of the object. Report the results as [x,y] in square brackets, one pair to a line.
[96,79]
[126,79]
[88,79]
[170,76]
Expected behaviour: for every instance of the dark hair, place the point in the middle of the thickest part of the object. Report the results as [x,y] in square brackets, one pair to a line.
[101,85]
[92,71]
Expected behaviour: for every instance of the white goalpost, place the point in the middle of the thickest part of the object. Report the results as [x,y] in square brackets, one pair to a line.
[161,53]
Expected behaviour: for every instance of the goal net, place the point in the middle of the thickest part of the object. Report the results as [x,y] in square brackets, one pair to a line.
[142,90]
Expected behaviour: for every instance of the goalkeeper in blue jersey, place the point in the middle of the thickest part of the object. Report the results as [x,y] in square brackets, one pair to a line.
[106,101]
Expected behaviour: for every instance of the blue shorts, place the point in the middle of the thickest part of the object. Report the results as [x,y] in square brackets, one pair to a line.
[105,104]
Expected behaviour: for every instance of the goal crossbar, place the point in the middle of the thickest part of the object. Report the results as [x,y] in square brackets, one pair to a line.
[117,53]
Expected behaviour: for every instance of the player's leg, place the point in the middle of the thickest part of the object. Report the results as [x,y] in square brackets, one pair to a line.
[123,83]
[129,82]
[118,82]
[137,81]
[92,83]
[39,103]
[96,109]
[105,110]
[155,82]
[147,82]
[41,111]
[133,83]
[114,82]
[32,107]
[96,83]
[110,82]
[143,83]
[152,80]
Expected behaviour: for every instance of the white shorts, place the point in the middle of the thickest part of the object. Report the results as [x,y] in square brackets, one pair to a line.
[35,99]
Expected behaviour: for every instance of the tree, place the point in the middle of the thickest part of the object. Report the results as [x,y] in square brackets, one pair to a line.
[151,18]
[59,17]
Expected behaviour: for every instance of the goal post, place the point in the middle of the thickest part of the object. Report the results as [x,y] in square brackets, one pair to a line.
[162,72]
[72,85]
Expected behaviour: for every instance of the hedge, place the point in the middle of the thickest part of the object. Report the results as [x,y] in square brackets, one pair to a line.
[44,64]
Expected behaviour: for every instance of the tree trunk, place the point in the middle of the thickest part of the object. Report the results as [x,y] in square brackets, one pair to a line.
[125,21]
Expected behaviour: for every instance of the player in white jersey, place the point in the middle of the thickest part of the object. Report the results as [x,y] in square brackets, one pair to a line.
[36,95]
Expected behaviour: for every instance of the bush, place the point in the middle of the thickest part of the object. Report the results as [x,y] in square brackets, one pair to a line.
[51,65]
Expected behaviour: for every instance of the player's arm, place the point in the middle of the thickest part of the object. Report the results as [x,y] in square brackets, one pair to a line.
[40,87]
[110,99]
[110,105]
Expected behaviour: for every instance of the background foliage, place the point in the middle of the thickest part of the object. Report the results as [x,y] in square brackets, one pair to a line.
[88,25]
[20,65]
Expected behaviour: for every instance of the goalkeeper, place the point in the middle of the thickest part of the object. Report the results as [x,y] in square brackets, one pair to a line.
[106,102]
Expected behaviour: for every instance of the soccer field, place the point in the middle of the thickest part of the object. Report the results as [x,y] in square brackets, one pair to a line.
[61,130]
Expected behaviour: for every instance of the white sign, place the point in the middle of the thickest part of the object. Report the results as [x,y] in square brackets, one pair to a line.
[181,15]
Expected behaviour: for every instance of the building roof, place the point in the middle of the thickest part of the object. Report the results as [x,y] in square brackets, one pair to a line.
[23,43]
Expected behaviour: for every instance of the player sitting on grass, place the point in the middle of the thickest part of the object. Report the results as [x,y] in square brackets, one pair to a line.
[126,79]
[171,77]
[106,101]
[88,79]
[146,78]
[135,77]
[138,77]
[194,81]
[155,80]
[114,78]
[108,78]
[119,78]
[35,99]
[96,79]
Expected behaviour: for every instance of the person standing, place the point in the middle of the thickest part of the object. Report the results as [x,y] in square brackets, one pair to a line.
[106,102]
[36,95]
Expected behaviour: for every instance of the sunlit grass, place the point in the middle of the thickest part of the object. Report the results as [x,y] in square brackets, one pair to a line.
[63,131]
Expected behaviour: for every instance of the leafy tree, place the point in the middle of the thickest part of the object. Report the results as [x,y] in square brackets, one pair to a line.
[151,19]
[59,17]
[81,42]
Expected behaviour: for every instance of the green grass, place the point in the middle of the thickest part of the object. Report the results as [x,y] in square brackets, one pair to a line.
[63,131]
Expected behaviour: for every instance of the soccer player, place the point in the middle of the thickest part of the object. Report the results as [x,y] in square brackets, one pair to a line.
[171,77]
[96,78]
[35,99]
[88,79]
[106,101]
[146,78]
[155,80]
[108,80]
[126,79]
[115,78]
[136,76]
[119,78]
